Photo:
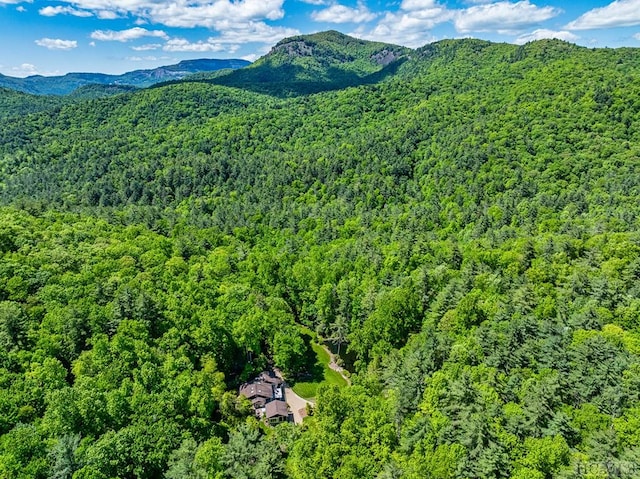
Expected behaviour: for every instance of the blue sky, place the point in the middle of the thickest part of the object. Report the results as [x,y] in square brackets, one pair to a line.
[115,36]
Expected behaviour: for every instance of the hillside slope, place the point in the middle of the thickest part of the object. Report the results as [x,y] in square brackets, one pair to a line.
[461,223]
[473,114]
[14,103]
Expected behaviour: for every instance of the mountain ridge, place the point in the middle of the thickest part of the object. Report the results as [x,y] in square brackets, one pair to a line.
[295,65]
[66,84]
[317,62]
[445,69]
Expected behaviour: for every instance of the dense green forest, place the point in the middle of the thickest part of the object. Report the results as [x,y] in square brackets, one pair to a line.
[14,103]
[461,219]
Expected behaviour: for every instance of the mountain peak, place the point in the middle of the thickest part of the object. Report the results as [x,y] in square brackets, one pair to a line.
[302,45]
[333,45]
[329,36]
[316,62]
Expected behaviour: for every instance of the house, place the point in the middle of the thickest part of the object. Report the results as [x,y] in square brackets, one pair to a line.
[276,411]
[266,393]
[270,378]
[257,393]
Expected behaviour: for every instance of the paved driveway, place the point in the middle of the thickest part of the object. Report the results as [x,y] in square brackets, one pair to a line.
[296,403]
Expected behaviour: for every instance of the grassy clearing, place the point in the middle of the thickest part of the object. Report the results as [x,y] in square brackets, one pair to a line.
[321,373]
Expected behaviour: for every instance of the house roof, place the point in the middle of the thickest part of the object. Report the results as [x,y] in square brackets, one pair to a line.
[253,390]
[276,408]
[269,377]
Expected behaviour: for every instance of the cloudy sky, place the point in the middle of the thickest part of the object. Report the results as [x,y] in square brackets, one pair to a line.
[115,36]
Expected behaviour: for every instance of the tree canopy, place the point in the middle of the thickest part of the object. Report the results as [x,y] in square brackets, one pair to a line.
[461,224]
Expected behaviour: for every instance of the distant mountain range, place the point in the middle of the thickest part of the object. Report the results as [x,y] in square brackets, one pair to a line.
[66,84]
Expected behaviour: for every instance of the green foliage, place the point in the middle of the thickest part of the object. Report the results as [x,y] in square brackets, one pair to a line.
[320,372]
[13,325]
[460,226]
[349,436]
[23,454]
[182,462]
[248,457]
[16,104]
[290,352]
[63,457]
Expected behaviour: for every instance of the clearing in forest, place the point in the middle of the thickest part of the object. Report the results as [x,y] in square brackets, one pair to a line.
[320,373]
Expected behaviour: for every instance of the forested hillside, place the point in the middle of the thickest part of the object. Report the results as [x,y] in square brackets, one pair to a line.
[13,103]
[461,220]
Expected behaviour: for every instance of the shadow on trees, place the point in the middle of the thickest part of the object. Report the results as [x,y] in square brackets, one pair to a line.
[312,369]
[287,81]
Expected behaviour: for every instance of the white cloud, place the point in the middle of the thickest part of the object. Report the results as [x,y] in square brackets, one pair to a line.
[21,9]
[126,35]
[235,22]
[341,14]
[183,45]
[637,36]
[147,47]
[231,39]
[141,59]
[13,2]
[24,70]
[50,11]
[621,13]
[414,5]
[316,2]
[503,17]
[211,14]
[28,69]
[185,13]
[412,23]
[544,33]
[57,44]
[108,15]
[253,32]
[150,58]
[252,57]
[410,26]
[398,29]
